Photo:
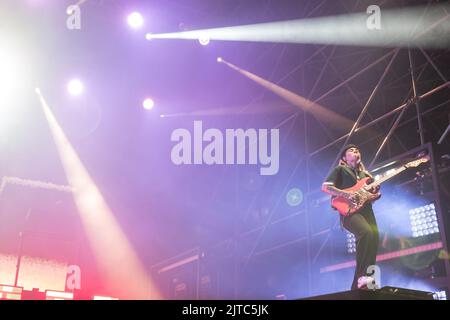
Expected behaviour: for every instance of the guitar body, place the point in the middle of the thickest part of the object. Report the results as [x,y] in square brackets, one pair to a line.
[363,190]
[346,207]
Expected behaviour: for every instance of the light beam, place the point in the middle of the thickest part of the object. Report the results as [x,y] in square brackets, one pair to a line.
[425,26]
[122,272]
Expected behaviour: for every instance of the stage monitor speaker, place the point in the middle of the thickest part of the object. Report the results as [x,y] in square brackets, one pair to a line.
[385,293]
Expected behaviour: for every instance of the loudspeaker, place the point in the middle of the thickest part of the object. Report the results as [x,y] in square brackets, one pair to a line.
[385,293]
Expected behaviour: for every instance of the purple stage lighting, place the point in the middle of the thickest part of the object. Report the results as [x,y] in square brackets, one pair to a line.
[294,197]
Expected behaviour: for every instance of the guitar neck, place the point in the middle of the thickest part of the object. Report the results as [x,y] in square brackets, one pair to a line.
[387,177]
[396,171]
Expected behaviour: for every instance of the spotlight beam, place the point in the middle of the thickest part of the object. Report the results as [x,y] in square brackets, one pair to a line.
[235,110]
[118,264]
[304,104]
[427,27]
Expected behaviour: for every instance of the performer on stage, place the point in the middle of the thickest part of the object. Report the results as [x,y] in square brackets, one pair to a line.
[362,223]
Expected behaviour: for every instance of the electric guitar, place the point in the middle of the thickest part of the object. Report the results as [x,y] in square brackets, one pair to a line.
[362,190]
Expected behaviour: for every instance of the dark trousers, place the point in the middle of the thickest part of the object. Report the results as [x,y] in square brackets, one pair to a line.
[364,226]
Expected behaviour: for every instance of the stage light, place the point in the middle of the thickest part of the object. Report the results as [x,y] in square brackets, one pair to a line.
[148,104]
[161,116]
[10,292]
[420,26]
[440,295]
[303,103]
[7,65]
[58,295]
[103,298]
[423,220]
[13,74]
[219,59]
[148,36]
[102,229]
[351,242]
[389,172]
[294,197]
[75,87]
[135,20]
[204,40]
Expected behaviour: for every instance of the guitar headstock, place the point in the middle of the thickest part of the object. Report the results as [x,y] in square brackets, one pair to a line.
[417,162]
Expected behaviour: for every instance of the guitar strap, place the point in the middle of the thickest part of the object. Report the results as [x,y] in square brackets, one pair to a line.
[353,174]
[367,173]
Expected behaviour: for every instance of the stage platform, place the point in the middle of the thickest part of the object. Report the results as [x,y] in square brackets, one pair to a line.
[385,293]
